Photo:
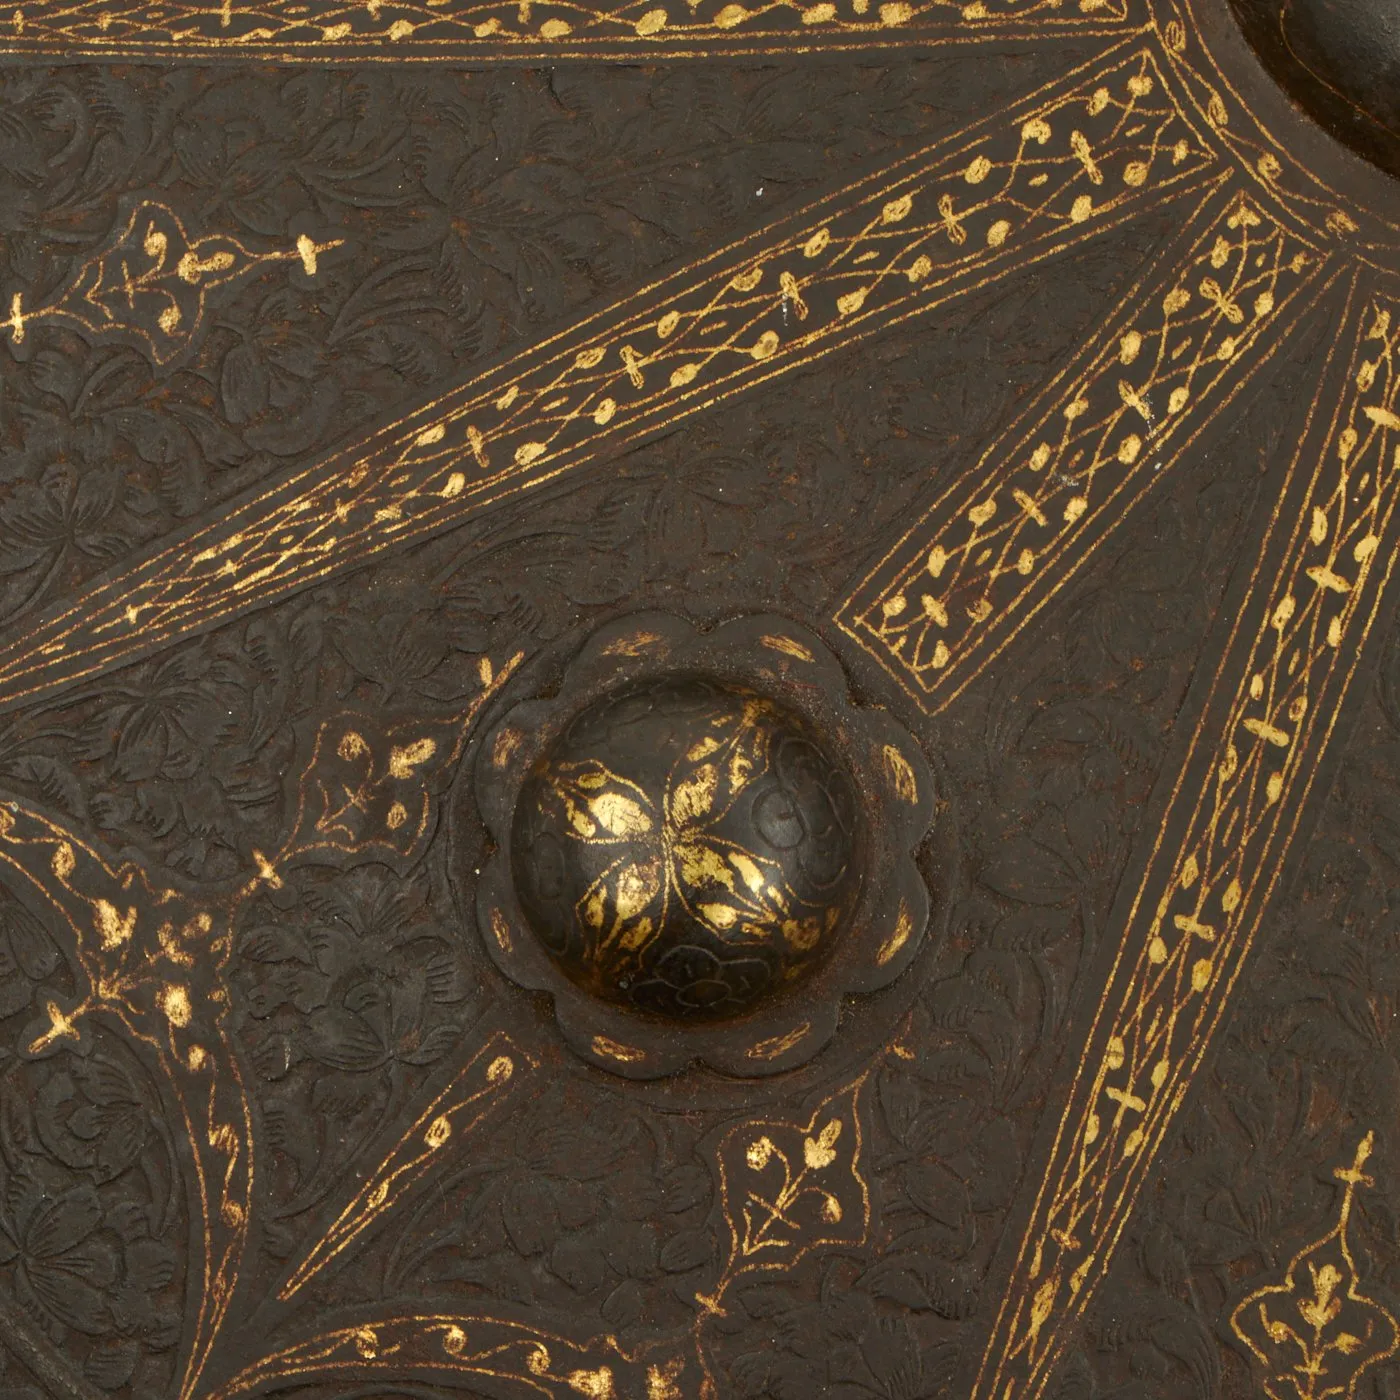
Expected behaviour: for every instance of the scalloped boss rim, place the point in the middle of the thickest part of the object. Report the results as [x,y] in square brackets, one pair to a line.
[894,790]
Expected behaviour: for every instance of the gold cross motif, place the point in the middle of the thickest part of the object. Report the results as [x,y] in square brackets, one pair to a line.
[1144,125]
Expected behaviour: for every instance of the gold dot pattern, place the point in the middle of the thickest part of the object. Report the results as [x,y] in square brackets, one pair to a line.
[1008,534]
[478,31]
[1060,168]
[1277,693]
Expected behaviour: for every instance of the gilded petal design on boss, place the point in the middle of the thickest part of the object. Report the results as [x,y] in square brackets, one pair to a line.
[701,831]
[717,876]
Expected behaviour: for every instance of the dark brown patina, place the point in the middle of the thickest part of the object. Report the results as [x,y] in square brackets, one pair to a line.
[1340,61]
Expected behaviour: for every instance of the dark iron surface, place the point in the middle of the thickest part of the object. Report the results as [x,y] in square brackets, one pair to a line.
[1340,61]
[699,706]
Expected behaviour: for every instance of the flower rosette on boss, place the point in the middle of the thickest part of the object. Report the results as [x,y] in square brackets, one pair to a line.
[702,845]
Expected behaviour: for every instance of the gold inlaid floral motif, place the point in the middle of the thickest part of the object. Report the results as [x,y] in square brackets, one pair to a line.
[1316,1333]
[701,837]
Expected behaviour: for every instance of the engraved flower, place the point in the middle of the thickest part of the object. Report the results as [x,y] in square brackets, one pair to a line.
[1322,1309]
[398,652]
[64,1264]
[94,1118]
[363,984]
[45,523]
[27,956]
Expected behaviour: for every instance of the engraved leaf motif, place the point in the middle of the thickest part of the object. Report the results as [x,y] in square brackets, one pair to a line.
[736,893]
[600,805]
[625,906]
[790,1188]
[371,784]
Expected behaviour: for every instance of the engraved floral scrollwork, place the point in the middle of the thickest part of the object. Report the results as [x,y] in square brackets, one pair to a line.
[28,955]
[928,1152]
[687,848]
[156,961]
[1158,1013]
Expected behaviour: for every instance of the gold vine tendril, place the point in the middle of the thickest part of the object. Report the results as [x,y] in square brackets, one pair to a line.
[150,283]
[511,30]
[1004,194]
[1249,768]
[968,576]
